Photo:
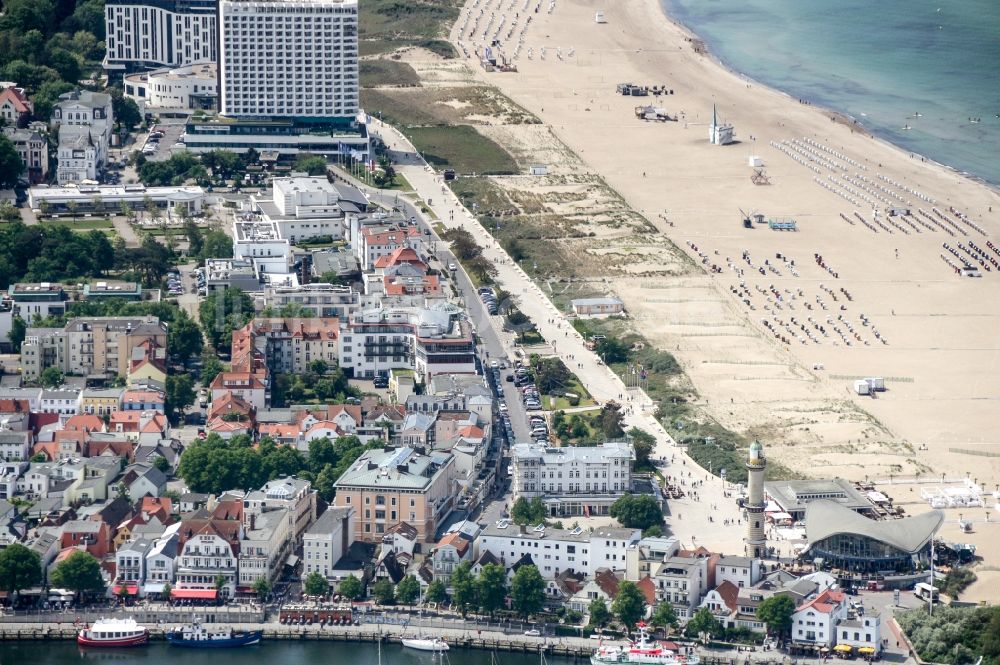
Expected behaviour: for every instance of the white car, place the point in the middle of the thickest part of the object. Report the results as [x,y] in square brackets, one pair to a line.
[533,633]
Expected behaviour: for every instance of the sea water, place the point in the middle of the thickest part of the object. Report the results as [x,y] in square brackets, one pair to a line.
[879,61]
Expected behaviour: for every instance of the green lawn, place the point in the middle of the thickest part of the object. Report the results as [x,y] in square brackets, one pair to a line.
[461,148]
[551,403]
[81,224]
[387,72]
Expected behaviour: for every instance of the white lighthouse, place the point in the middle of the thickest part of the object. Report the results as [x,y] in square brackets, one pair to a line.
[756,463]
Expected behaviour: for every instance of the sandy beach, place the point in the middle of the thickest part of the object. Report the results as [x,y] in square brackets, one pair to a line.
[935,345]
[771,327]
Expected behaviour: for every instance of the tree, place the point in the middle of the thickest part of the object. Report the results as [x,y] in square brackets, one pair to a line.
[527,591]
[20,568]
[777,612]
[220,584]
[161,464]
[126,111]
[629,604]
[551,375]
[351,588]
[319,366]
[436,592]
[8,213]
[196,241]
[611,419]
[528,512]
[643,443]
[316,585]
[51,377]
[463,586]
[261,587]
[314,165]
[599,614]
[223,312]
[79,572]
[211,366]
[217,245]
[611,351]
[18,329]
[384,592]
[481,267]
[655,531]
[637,511]
[665,616]
[184,337]
[180,393]
[408,590]
[703,622]
[492,587]
[11,165]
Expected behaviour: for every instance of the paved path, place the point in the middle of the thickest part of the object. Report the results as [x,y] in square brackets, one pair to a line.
[689,517]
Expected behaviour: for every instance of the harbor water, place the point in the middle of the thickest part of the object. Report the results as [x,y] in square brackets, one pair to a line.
[881,62]
[267,653]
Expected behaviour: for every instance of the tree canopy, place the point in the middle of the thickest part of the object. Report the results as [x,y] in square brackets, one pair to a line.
[463,587]
[408,590]
[384,592]
[527,591]
[528,512]
[41,253]
[436,592]
[629,604]
[351,588]
[777,612]
[492,587]
[703,622]
[316,584]
[599,613]
[11,165]
[223,312]
[78,572]
[20,568]
[637,511]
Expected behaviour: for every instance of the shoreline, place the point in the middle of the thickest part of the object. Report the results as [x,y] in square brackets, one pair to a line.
[708,52]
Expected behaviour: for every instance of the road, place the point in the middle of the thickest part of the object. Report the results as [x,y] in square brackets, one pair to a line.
[495,343]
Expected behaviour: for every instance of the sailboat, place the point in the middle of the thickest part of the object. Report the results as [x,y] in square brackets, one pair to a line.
[420,643]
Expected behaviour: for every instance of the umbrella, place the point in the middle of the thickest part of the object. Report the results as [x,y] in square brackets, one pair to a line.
[843,648]
[866,650]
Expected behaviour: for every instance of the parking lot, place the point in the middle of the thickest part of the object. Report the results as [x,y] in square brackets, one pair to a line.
[161,141]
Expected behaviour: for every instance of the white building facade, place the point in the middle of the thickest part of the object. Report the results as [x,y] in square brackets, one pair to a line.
[573,481]
[159,33]
[292,58]
[327,540]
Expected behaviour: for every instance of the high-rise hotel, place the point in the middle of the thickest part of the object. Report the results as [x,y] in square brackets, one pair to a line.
[288,58]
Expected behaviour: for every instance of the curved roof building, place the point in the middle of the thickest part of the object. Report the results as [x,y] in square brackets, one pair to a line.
[847,540]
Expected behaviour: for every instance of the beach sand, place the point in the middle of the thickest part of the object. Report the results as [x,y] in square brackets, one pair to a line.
[941,359]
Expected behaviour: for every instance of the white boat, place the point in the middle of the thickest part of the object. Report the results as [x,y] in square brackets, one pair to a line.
[642,650]
[113,633]
[425,643]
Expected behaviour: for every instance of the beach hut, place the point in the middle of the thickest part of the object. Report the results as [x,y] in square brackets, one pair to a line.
[756,161]
[538,169]
[599,17]
[862,387]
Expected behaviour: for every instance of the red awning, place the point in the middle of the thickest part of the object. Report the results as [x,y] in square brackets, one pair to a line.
[194,594]
[130,589]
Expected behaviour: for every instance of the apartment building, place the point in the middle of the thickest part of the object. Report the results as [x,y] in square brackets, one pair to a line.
[90,346]
[572,481]
[327,540]
[294,496]
[681,581]
[395,485]
[318,299]
[289,58]
[429,340]
[192,86]
[292,344]
[264,547]
[158,33]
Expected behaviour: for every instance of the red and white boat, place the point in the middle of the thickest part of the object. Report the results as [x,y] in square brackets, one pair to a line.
[642,651]
[110,633]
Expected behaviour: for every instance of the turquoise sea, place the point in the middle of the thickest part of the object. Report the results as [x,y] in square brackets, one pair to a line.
[879,61]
